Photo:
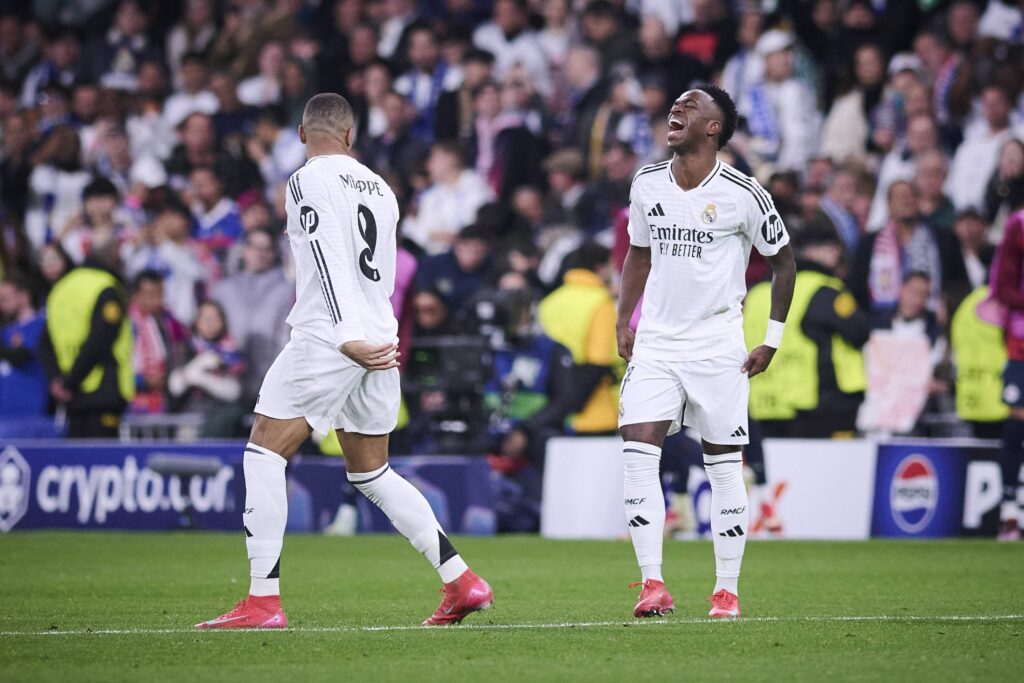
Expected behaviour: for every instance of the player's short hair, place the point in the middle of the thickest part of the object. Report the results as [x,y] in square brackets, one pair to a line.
[328,113]
[728,108]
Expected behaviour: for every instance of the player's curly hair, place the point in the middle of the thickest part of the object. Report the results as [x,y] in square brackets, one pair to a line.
[728,108]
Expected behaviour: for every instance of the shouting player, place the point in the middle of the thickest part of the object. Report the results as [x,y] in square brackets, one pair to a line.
[692,221]
[338,371]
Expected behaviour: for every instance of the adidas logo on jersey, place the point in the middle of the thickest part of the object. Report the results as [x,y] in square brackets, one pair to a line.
[657,210]
[740,431]
[638,521]
[733,532]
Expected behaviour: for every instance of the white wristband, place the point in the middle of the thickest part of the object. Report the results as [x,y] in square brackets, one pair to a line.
[773,336]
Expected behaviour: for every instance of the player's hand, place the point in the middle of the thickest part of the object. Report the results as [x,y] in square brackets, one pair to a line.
[626,338]
[372,356]
[758,360]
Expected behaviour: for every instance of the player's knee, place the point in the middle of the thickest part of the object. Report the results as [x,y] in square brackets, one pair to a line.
[363,452]
[283,437]
[653,433]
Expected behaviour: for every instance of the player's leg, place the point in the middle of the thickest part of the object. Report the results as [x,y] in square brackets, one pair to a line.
[1011,456]
[271,443]
[718,394]
[366,420]
[650,405]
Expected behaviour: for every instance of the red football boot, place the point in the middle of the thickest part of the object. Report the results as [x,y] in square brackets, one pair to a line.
[654,600]
[253,612]
[724,605]
[463,596]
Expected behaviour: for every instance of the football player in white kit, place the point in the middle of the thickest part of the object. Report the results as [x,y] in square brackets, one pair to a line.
[339,370]
[692,222]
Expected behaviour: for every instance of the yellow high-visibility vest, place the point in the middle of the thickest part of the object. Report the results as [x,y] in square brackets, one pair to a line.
[69,311]
[791,381]
[566,316]
[980,351]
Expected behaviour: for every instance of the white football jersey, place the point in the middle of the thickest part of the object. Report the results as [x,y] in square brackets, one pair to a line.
[700,243]
[341,226]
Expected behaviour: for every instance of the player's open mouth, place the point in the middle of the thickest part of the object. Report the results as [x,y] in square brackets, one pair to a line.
[675,124]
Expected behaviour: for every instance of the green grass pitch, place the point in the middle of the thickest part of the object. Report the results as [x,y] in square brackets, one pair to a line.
[113,606]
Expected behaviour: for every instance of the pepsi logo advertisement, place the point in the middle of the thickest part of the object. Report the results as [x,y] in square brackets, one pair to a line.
[919,491]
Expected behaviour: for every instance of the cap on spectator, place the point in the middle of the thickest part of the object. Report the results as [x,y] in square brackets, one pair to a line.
[100,187]
[149,172]
[569,161]
[904,61]
[774,40]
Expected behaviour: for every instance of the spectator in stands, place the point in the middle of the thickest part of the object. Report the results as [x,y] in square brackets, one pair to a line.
[395,151]
[929,178]
[296,89]
[603,29]
[835,211]
[451,201]
[114,58]
[970,228]
[781,113]
[275,148]
[711,36]
[265,87]
[977,156]
[168,248]
[192,95]
[262,286]
[193,34]
[15,164]
[159,343]
[455,106]
[55,186]
[1009,167]
[54,263]
[97,223]
[677,71]
[431,317]
[905,245]
[458,273]
[87,347]
[17,51]
[208,383]
[847,129]
[23,385]
[199,148]
[427,78]
[570,201]
[745,68]
[587,92]
[580,315]
[911,317]
[232,119]
[899,164]
[612,191]
[218,223]
[509,37]
[60,66]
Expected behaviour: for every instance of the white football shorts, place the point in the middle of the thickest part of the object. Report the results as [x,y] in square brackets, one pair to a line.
[709,395]
[314,380]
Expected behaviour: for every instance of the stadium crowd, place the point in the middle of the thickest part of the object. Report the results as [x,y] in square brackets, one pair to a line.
[155,140]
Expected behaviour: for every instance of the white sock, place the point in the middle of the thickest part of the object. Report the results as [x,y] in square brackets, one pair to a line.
[644,501]
[729,516]
[264,517]
[410,512]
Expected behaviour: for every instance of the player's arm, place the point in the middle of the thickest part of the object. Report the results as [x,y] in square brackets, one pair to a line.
[332,241]
[634,275]
[768,234]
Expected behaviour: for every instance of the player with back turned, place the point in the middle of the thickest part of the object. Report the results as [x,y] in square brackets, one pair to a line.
[338,371]
[692,223]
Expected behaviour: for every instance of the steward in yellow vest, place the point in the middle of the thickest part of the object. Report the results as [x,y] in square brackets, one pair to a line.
[87,348]
[816,382]
[980,352]
[580,315]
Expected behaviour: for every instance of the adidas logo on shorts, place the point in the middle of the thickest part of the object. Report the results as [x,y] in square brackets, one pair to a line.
[740,431]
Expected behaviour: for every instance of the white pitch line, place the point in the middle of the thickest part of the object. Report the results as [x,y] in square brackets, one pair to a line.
[568,624]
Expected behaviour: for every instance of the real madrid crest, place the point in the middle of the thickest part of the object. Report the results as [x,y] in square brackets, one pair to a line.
[709,215]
